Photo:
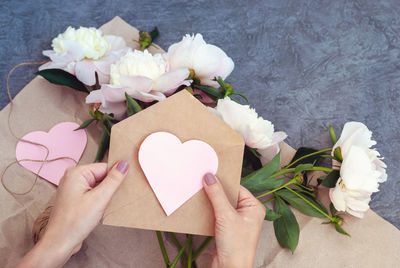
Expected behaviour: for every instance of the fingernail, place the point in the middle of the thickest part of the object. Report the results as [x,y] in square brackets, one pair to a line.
[122,166]
[209,179]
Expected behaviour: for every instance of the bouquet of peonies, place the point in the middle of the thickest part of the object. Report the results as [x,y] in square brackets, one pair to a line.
[121,81]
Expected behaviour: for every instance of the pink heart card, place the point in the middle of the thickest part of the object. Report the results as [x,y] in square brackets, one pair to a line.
[62,141]
[174,169]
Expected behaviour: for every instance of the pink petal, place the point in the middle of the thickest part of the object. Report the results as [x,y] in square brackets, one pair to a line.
[148,97]
[170,81]
[136,83]
[113,93]
[95,96]
[118,109]
[85,72]
[105,62]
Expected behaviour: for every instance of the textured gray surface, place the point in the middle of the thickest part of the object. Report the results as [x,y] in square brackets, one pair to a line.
[303,64]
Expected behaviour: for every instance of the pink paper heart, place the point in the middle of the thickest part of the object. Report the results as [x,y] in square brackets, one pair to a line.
[174,169]
[62,141]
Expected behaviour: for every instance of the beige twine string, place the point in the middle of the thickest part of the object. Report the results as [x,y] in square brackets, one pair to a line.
[45,160]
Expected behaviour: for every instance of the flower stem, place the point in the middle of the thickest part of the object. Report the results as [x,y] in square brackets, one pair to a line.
[202,247]
[162,247]
[308,155]
[269,200]
[177,244]
[190,251]
[175,261]
[311,204]
[291,170]
[276,189]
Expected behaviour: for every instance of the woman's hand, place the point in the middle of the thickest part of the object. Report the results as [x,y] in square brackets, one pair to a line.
[236,230]
[81,200]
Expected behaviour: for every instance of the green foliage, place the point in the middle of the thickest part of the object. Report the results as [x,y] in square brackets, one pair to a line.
[271,215]
[286,228]
[303,151]
[132,107]
[339,229]
[300,204]
[103,145]
[63,78]
[260,180]
[86,124]
[331,179]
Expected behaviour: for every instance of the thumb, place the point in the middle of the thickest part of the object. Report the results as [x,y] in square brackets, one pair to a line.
[112,181]
[216,194]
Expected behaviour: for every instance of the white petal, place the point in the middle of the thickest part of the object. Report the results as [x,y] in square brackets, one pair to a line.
[210,61]
[171,80]
[354,133]
[180,54]
[337,197]
[116,42]
[357,171]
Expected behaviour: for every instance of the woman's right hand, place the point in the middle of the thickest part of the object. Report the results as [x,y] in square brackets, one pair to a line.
[237,231]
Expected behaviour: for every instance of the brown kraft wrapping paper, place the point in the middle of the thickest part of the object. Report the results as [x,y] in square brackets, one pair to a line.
[374,242]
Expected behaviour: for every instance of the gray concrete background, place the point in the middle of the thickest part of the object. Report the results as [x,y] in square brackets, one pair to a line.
[302,64]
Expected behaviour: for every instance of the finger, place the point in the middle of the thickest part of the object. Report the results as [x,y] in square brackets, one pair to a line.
[216,194]
[93,173]
[111,182]
[246,198]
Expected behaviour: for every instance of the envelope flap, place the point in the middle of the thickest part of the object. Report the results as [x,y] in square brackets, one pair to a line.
[134,204]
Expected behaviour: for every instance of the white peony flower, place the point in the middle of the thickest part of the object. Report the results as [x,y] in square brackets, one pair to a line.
[207,61]
[142,76]
[361,170]
[84,51]
[257,132]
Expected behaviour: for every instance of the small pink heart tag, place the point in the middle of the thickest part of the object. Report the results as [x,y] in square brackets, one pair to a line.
[174,169]
[62,141]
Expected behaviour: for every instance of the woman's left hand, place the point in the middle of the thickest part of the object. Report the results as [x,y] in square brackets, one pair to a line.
[81,200]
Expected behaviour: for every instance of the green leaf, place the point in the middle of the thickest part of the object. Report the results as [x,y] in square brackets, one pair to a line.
[332,209]
[331,179]
[286,228]
[271,215]
[132,106]
[302,167]
[302,151]
[241,95]
[300,204]
[212,92]
[154,33]
[339,229]
[246,171]
[63,78]
[260,180]
[338,154]
[332,134]
[85,124]
[103,145]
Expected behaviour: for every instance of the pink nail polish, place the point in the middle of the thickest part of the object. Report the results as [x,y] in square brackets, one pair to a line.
[122,166]
[209,179]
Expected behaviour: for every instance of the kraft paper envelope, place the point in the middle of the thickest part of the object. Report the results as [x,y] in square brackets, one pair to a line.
[134,204]
[374,242]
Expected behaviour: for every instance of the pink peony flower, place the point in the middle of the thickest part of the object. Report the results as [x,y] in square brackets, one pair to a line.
[142,76]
